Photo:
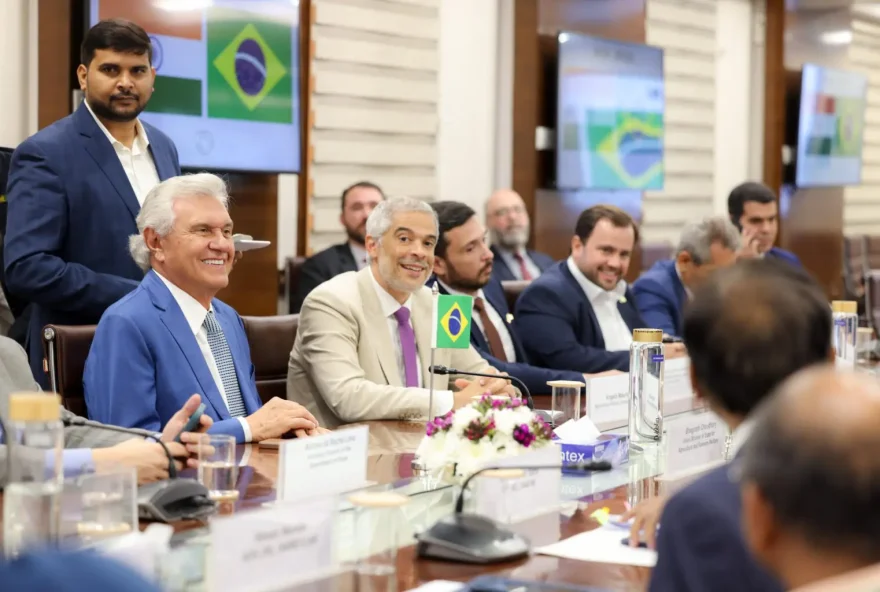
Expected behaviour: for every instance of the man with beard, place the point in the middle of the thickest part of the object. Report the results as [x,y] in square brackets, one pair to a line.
[76,187]
[508,223]
[363,348]
[579,315]
[463,265]
[358,201]
[754,211]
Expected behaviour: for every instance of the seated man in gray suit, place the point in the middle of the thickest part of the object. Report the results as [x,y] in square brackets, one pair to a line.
[87,448]
[362,351]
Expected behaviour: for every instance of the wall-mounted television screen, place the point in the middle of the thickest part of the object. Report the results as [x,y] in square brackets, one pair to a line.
[830,127]
[227,79]
[610,103]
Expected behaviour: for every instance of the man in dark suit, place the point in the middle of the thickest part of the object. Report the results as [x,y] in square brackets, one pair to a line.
[753,209]
[749,328]
[579,315]
[463,265]
[662,291]
[358,201]
[508,223]
[76,187]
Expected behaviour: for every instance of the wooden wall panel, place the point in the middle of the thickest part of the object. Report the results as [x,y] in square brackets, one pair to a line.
[56,54]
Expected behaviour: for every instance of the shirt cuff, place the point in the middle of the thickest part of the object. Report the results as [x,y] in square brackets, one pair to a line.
[246,428]
[76,461]
[443,402]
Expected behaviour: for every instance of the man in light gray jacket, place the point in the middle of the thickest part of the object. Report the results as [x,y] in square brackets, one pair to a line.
[88,448]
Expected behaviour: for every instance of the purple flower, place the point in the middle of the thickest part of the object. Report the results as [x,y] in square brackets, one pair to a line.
[441,423]
[479,429]
[523,434]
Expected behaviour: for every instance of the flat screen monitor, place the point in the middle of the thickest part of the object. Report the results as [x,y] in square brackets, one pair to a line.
[830,127]
[227,79]
[610,103]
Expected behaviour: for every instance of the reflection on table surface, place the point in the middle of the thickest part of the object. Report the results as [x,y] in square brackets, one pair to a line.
[432,496]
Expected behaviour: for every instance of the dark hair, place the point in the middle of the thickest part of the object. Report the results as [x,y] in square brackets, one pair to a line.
[119,35]
[588,219]
[363,185]
[450,215]
[751,326]
[824,486]
[746,192]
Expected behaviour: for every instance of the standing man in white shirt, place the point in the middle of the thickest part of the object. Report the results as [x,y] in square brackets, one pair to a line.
[76,187]
[508,223]
[579,315]
[171,337]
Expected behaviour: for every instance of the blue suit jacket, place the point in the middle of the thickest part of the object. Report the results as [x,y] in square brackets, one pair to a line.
[784,255]
[145,363]
[66,571]
[559,329]
[534,377]
[660,297]
[71,211]
[503,273]
[700,545]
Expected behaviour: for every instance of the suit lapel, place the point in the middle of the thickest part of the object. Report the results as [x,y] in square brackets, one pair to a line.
[242,367]
[573,284]
[346,258]
[495,295]
[164,167]
[377,325]
[629,313]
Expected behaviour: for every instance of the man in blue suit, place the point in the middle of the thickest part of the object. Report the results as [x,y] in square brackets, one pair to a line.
[662,291]
[75,189]
[749,328]
[753,209]
[508,223]
[463,265]
[171,337]
[579,315]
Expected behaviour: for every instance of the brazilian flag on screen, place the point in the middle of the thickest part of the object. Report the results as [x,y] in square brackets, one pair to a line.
[452,322]
[249,66]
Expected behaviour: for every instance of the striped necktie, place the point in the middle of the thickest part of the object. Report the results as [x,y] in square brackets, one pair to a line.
[223,359]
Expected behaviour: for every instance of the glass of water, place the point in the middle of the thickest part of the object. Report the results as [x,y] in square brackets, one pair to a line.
[217,469]
[99,505]
[379,526]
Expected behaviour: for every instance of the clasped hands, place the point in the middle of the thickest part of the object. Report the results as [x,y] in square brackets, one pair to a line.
[468,389]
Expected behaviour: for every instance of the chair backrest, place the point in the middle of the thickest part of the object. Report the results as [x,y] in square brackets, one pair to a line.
[652,253]
[872,253]
[271,339]
[512,290]
[292,270]
[66,348]
[855,265]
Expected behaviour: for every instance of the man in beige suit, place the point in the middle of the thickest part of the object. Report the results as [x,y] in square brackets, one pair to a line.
[363,347]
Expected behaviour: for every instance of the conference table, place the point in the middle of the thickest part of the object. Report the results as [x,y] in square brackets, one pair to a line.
[390,452]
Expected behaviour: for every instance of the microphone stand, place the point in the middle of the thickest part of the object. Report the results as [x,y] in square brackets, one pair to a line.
[522,386]
[435,293]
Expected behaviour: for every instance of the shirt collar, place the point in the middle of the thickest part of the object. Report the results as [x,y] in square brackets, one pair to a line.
[358,252]
[388,303]
[740,436]
[454,292]
[593,291]
[686,289]
[192,310]
[141,141]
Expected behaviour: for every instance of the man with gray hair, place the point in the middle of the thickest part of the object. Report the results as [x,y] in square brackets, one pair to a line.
[362,351]
[171,337]
[662,291]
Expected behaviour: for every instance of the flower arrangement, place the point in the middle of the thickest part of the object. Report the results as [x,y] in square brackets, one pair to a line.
[484,430]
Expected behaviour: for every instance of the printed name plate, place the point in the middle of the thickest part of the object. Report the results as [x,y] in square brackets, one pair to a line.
[323,465]
[608,400]
[517,494]
[694,440]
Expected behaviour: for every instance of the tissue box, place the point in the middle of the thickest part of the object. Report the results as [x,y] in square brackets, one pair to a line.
[611,447]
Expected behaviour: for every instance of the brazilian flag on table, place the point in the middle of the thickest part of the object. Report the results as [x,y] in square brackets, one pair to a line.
[452,322]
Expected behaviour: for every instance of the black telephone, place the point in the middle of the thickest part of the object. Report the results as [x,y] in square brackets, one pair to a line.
[174,499]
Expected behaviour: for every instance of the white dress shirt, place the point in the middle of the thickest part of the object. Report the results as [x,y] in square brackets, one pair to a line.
[195,314]
[510,260]
[494,317]
[360,255]
[615,332]
[136,161]
[739,437]
[687,290]
[443,400]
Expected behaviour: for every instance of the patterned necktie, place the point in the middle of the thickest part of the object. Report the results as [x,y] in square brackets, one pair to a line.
[496,346]
[223,359]
[407,346]
[523,269]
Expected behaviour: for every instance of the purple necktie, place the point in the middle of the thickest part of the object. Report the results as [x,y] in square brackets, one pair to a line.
[407,346]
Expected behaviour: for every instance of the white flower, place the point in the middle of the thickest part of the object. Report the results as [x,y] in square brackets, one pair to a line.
[471,456]
[463,417]
[432,451]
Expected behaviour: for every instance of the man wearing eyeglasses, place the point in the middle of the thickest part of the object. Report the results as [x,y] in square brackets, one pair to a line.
[508,223]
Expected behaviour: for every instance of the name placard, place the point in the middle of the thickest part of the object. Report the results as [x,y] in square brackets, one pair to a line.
[321,465]
[608,400]
[694,440]
[269,549]
[526,494]
[677,380]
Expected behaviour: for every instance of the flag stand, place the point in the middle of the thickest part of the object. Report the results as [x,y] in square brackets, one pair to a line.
[417,464]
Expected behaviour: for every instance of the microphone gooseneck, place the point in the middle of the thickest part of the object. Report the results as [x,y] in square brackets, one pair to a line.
[522,386]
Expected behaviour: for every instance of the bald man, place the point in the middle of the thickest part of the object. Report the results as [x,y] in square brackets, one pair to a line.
[508,223]
[811,483]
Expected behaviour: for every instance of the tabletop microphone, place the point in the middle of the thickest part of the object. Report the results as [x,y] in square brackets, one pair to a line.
[77,421]
[522,386]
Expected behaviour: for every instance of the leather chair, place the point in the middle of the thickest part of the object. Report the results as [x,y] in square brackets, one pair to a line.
[292,269]
[271,340]
[512,290]
[65,349]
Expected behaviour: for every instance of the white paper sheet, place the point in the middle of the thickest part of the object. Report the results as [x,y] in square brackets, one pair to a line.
[439,586]
[601,545]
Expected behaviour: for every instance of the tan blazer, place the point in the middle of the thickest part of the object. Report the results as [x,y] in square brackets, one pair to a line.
[343,366]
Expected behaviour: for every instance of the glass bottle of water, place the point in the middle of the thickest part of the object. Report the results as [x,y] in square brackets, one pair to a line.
[646,387]
[31,499]
[845,332]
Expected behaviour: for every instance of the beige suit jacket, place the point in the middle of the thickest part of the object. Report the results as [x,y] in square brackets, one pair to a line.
[343,366]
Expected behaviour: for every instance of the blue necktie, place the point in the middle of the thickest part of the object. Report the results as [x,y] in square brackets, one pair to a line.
[223,359]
